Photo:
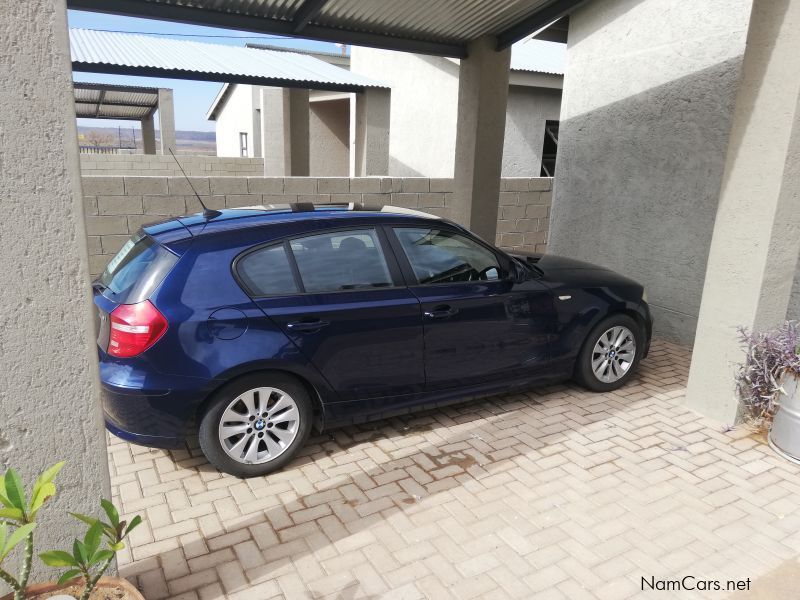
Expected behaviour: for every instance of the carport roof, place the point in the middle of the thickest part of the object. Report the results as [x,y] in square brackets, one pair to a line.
[443,27]
[103,101]
[146,55]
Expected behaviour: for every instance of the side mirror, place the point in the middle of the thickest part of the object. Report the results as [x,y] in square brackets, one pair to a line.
[518,273]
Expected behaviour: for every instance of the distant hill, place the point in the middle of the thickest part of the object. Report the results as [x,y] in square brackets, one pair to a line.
[196,142]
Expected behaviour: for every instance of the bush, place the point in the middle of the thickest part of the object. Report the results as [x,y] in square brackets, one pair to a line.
[770,355]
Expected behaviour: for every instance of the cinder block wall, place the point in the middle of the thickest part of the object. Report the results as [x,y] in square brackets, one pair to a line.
[117,206]
[156,165]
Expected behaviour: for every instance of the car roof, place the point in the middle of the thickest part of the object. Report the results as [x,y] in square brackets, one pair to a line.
[249,217]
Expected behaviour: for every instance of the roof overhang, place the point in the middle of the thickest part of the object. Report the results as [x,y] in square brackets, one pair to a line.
[152,56]
[438,28]
[121,102]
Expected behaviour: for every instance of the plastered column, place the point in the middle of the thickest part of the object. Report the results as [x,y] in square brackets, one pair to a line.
[482,98]
[49,390]
[372,112]
[756,237]
[166,120]
[149,135]
[284,131]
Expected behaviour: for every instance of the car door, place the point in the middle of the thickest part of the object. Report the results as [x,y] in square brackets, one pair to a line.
[346,309]
[480,325]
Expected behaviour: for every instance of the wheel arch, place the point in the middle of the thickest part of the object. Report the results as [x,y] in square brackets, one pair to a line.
[315,395]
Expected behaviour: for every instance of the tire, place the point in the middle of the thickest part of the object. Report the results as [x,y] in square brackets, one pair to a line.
[613,372]
[241,405]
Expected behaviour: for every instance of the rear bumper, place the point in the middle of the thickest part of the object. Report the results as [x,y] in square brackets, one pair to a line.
[154,411]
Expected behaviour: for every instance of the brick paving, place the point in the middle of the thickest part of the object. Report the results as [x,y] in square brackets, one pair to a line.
[552,493]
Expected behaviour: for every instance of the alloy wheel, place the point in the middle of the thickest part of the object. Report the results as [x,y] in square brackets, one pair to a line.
[259,425]
[613,354]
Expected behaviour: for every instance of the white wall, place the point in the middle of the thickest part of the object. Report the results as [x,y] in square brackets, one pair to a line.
[424,106]
[425,109]
[236,116]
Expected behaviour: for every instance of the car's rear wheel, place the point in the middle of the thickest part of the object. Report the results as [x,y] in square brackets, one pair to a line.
[256,424]
[610,354]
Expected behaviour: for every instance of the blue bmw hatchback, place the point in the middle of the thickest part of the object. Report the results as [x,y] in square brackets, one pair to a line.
[252,326]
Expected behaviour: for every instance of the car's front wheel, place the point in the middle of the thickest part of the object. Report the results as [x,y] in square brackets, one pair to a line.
[256,424]
[611,354]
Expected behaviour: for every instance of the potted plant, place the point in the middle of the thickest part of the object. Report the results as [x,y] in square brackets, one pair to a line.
[89,558]
[768,383]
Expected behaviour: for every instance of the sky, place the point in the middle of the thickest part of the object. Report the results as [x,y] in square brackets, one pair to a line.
[192,98]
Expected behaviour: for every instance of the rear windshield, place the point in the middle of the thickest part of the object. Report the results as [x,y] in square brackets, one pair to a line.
[137,269]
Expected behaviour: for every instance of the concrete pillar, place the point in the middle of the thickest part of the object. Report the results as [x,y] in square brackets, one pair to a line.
[756,237]
[256,91]
[299,142]
[373,109]
[49,390]
[166,120]
[284,131]
[482,96]
[149,135]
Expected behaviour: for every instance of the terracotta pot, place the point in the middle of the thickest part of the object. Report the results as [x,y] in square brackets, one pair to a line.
[53,588]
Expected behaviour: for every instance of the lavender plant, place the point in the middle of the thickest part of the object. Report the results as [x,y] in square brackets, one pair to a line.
[770,355]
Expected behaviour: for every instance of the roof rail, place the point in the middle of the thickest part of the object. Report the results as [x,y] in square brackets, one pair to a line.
[346,206]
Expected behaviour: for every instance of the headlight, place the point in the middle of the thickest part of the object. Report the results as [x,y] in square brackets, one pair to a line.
[644,295]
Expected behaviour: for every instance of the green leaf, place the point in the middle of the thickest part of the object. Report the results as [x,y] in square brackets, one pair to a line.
[14,514]
[100,556]
[135,522]
[44,479]
[117,547]
[68,575]
[3,534]
[111,511]
[92,538]
[85,518]
[16,537]
[79,552]
[45,491]
[14,490]
[58,558]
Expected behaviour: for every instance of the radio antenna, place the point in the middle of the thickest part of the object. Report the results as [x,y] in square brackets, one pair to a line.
[208,213]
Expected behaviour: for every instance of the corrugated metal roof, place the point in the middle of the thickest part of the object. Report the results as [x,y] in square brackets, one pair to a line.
[103,101]
[134,54]
[442,27]
[539,57]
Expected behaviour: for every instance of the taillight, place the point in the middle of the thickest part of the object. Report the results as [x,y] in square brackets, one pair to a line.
[135,328]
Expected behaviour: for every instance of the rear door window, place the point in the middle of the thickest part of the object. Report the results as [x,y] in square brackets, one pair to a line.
[341,260]
[267,272]
[136,270]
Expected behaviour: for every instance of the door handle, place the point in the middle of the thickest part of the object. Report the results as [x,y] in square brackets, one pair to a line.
[441,312]
[309,326]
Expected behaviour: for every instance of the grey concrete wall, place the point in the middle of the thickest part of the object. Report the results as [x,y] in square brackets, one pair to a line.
[646,115]
[49,391]
[529,108]
[158,165]
[330,135]
[116,207]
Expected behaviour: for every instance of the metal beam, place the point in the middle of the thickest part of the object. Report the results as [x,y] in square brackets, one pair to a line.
[255,24]
[107,102]
[307,11]
[552,11]
[557,32]
[215,77]
[112,87]
[100,103]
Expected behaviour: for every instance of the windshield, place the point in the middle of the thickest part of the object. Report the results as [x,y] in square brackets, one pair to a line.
[137,269]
